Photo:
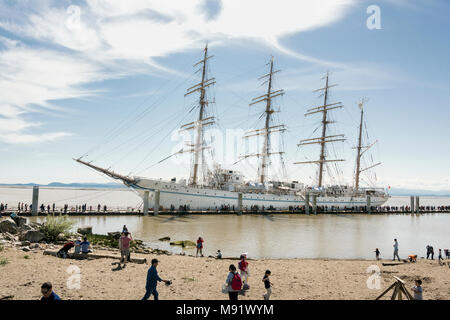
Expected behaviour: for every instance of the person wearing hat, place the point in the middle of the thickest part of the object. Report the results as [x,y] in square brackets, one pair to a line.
[77,246]
[152,281]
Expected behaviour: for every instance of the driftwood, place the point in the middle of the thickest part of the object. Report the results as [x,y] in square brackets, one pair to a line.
[82,256]
[392,264]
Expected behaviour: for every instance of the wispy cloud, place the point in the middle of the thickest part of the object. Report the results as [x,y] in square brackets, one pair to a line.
[57,49]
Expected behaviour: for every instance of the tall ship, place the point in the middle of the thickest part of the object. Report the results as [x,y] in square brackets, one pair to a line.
[217,188]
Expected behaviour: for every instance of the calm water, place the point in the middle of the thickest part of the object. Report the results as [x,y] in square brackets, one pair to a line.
[287,236]
[273,236]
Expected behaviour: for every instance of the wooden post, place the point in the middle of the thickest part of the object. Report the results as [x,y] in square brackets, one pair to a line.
[239,204]
[35,201]
[145,198]
[156,206]
[307,203]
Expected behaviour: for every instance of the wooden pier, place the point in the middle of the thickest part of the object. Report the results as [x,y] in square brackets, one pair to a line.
[222,212]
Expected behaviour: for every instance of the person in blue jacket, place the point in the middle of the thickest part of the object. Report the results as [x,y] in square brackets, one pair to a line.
[152,281]
[47,293]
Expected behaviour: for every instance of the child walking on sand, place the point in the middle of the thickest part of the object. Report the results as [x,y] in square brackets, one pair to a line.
[243,267]
[267,285]
[377,253]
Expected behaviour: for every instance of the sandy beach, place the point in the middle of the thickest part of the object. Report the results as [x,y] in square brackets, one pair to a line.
[202,278]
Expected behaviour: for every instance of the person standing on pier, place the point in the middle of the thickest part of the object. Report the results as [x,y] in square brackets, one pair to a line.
[395,250]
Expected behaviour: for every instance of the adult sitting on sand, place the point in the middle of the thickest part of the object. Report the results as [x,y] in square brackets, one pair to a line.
[233,282]
[47,293]
[64,251]
[85,246]
[152,281]
[124,247]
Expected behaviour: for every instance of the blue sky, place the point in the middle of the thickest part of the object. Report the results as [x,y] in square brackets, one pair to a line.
[108,78]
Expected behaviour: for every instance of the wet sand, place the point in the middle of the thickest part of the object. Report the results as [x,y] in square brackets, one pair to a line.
[202,278]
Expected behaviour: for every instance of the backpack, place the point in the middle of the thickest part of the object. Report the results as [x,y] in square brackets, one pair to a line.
[236,283]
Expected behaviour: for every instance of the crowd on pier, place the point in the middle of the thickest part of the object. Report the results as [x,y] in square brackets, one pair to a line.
[99,208]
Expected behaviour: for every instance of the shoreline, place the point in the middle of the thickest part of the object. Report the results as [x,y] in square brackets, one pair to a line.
[202,278]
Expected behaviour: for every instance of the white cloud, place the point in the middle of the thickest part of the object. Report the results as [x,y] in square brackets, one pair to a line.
[14,138]
[102,39]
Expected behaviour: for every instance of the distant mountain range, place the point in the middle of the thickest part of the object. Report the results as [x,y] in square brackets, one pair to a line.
[419,192]
[393,191]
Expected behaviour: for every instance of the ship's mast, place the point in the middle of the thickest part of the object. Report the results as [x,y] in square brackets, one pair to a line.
[359,153]
[202,121]
[324,138]
[268,129]
[358,148]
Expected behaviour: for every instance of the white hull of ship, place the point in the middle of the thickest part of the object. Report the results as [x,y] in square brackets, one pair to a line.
[176,195]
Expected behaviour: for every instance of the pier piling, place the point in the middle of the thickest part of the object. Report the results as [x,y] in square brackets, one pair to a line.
[417,205]
[35,201]
[239,204]
[156,206]
[307,203]
[314,203]
[145,198]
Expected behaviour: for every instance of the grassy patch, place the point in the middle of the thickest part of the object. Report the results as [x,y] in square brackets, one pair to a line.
[3,261]
[108,241]
[26,257]
[53,226]
[188,279]
[2,248]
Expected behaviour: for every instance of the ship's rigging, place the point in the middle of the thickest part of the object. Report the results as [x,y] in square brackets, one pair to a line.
[323,139]
[268,129]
